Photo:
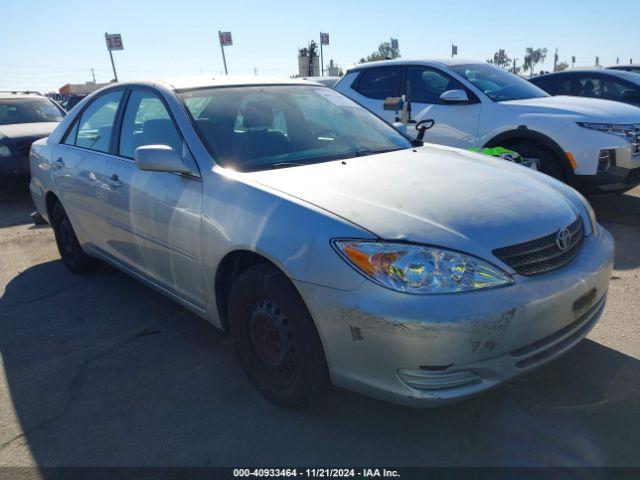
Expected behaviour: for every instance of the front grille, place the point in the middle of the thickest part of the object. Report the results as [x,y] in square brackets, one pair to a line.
[542,254]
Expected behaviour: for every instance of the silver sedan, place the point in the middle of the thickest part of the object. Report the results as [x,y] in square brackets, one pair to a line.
[330,246]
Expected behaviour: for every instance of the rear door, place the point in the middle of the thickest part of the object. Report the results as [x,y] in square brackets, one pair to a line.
[374,85]
[79,166]
[455,125]
[155,216]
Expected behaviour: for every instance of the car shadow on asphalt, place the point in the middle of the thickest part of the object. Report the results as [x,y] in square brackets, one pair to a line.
[15,204]
[103,371]
[620,215]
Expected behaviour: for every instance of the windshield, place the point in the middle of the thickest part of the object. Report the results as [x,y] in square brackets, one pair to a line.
[261,127]
[28,110]
[498,84]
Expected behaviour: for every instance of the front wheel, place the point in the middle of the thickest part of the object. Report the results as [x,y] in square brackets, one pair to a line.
[548,161]
[70,250]
[275,338]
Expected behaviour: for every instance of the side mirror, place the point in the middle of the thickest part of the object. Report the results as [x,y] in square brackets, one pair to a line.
[454,96]
[160,158]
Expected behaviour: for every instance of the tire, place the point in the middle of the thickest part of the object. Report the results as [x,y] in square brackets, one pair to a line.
[549,162]
[70,250]
[275,338]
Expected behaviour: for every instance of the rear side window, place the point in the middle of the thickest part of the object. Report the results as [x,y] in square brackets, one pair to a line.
[549,85]
[380,83]
[427,84]
[95,127]
[147,122]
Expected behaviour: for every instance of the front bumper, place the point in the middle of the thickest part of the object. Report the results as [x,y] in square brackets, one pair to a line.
[429,350]
[615,180]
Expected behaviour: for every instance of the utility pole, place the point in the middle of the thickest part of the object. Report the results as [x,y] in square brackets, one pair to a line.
[93,74]
[555,61]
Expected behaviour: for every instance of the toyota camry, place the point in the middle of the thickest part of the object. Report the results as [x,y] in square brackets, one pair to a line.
[331,247]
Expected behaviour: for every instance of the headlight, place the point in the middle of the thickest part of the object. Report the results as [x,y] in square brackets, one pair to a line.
[628,131]
[592,215]
[4,151]
[419,269]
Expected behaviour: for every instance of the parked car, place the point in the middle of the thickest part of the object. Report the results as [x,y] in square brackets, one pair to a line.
[590,144]
[72,100]
[24,118]
[615,85]
[627,68]
[328,244]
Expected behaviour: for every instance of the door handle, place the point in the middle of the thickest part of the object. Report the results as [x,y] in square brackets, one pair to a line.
[115,181]
[58,163]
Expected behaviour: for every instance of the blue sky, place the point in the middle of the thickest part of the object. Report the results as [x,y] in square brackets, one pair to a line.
[45,44]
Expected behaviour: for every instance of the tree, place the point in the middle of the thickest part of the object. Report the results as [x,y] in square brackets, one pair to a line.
[501,59]
[533,56]
[562,66]
[385,52]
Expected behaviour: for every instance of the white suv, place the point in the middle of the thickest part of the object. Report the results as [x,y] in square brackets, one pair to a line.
[591,144]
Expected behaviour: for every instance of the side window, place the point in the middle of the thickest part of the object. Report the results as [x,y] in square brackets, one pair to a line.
[549,85]
[146,121]
[427,84]
[620,91]
[380,83]
[591,86]
[96,124]
[70,137]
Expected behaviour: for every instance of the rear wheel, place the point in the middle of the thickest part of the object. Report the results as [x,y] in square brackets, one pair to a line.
[70,250]
[275,338]
[549,163]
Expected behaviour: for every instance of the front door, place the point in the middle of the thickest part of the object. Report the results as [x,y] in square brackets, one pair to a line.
[155,216]
[456,125]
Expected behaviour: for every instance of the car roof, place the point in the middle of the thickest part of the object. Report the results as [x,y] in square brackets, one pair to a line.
[19,94]
[445,62]
[622,67]
[204,81]
[628,76]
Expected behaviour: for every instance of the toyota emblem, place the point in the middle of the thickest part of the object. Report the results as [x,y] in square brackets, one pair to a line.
[563,239]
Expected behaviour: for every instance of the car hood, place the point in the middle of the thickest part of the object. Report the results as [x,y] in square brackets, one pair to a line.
[431,195]
[579,108]
[31,130]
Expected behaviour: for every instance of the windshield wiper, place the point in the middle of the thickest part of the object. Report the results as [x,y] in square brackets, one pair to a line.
[286,164]
[362,153]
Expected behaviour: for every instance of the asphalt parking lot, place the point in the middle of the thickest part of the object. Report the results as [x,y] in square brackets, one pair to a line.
[102,371]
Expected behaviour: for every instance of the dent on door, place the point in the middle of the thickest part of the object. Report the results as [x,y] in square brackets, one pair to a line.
[155,220]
